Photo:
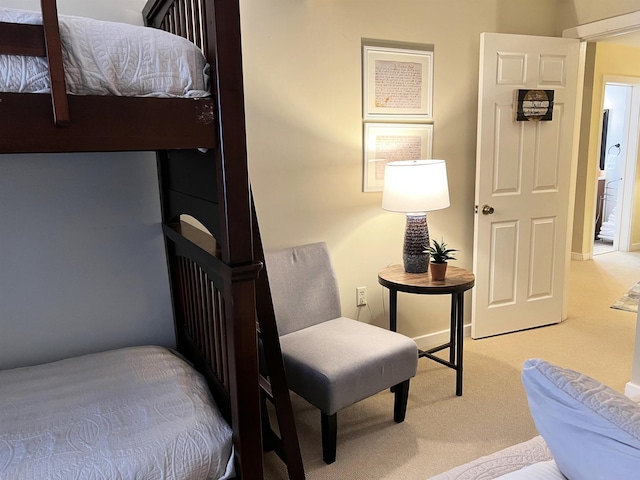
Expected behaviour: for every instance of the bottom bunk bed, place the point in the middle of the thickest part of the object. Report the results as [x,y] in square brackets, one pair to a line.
[147,412]
[139,412]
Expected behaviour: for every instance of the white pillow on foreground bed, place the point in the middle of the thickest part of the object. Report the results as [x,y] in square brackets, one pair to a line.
[592,431]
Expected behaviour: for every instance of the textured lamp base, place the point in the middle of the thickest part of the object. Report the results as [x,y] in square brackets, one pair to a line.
[416,241]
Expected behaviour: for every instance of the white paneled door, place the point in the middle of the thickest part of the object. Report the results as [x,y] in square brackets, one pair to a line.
[523,180]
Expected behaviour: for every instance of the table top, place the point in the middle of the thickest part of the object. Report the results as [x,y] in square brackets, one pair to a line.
[457,280]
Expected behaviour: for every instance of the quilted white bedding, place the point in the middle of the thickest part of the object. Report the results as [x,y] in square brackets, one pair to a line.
[508,461]
[134,413]
[108,58]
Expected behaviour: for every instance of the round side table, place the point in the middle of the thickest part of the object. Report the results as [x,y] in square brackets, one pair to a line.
[457,281]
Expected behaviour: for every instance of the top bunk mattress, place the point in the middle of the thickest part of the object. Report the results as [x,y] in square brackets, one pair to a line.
[137,412]
[109,58]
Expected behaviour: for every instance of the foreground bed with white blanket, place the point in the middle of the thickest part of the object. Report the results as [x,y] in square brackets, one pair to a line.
[587,431]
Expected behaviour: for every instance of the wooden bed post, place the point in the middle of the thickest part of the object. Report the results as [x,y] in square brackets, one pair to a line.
[228,90]
[224,51]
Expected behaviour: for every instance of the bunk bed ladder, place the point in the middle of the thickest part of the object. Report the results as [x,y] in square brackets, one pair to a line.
[273,382]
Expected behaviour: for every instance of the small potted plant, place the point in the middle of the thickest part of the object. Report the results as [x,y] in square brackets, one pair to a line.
[440,253]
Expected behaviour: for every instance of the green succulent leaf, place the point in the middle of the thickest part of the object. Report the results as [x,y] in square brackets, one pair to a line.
[440,251]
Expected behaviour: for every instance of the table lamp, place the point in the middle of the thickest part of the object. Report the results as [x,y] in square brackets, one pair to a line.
[415,187]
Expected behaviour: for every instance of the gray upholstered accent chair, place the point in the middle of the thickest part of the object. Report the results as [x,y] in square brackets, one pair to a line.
[332,361]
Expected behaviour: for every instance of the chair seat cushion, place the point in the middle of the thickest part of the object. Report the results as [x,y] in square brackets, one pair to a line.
[342,361]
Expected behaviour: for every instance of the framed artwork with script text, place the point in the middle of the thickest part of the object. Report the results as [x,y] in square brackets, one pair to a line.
[397,83]
[388,142]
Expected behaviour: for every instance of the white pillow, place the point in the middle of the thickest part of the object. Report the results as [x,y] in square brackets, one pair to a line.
[592,431]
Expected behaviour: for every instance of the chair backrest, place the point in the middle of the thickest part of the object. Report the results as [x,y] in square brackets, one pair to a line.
[303,285]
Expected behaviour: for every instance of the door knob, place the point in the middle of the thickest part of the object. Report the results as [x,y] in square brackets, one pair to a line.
[487,210]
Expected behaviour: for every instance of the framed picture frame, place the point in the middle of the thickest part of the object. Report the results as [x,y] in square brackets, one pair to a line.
[397,83]
[388,142]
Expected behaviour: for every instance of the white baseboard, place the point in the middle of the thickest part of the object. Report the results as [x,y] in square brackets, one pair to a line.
[425,342]
[580,256]
[632,390]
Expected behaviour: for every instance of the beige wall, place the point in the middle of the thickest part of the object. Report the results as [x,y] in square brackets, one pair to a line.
[609,59]
[303,102]
[304,125]
[577,12]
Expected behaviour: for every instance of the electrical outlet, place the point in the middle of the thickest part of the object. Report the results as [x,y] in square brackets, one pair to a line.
[361,296]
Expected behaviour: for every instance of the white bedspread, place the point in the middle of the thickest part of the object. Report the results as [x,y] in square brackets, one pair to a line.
[108,58]
[135,413]
[510,459]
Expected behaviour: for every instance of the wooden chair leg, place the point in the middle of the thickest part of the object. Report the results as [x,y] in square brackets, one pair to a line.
[329,424]
[401,391]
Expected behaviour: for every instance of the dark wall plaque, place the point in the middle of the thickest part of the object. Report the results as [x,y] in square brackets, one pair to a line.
[533,105]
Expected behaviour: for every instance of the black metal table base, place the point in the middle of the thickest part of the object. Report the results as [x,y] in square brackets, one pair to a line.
[456,335]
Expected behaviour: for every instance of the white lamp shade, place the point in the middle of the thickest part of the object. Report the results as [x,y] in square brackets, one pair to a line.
[413,186]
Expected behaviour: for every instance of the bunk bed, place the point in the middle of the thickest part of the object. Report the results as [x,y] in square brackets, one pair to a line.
[201,150]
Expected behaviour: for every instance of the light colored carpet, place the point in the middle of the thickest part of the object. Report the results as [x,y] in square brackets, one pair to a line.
[441,430]
[629,301]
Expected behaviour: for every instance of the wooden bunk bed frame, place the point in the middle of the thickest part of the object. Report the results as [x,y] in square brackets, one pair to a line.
[213,277]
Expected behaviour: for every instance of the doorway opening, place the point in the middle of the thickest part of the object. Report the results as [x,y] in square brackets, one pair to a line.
[623,30]
[618,158]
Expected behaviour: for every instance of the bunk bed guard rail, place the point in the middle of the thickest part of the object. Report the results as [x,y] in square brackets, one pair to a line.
[41,41]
